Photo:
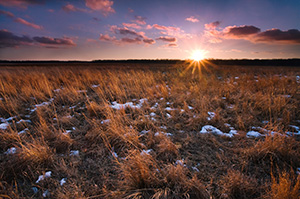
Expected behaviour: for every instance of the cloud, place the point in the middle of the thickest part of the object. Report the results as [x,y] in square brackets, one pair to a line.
[126,31]
[20,20]
[149,41]
[139,20]
[20,3]
[23,21]
[291,36]
[54,41]
[71,8]
[192,19]
[105,6]
[254,35]
[172,45]
[106,37]
[129,40]
[131,25]
[241,31]
[212,25]
[167,39]
[8,39]
[167,28]
[6,13]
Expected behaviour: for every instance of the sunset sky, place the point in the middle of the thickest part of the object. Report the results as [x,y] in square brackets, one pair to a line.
[144,29]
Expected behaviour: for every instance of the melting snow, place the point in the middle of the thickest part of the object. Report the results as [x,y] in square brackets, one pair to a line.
[211,129]
[105,121]
[25,121]
[211,115]
[23,131]
[253,134]
[146,152]
[46,193]
[170,109]
[298,171]
[74,153]
[42,177]
[11,150]
[63,181]
[128,104]
[4,126]
[95,86]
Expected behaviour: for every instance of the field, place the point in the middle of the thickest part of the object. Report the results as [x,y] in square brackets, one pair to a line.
[149,131]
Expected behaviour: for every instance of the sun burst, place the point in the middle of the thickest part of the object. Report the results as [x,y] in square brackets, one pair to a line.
[198,62]
[198,55]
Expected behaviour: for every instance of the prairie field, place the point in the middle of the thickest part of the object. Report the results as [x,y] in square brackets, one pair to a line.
[149,131]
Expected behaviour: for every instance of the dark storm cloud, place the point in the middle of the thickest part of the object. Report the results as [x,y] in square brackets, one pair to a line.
[8,39]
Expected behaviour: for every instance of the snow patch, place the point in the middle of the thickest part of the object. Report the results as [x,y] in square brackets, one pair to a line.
[253,134]
[42,177]
[211,129]
[146,152]
[118,106]
[62,181]
[4,126]
[11,150]
[74,153]
[211,115]
[23,131]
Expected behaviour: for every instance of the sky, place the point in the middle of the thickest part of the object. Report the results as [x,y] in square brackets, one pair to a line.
[144,29]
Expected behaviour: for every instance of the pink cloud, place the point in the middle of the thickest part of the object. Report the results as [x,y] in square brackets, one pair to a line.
[105,6]
[130,10]
[129,40]
[106,37]
[149,41]
[23,21]
[167,28]
[20,20]
[192,19]
[71,8]
[212,25]
[139,20]
[20,3]
[49,41]
[167,39]
[6,13]
[132,25]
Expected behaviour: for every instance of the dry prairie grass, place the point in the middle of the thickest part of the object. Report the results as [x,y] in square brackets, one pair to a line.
[142,132]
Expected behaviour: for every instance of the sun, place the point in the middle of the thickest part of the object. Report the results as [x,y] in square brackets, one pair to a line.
[198,55]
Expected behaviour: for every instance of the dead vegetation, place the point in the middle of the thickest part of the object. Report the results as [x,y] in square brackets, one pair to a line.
[142,132]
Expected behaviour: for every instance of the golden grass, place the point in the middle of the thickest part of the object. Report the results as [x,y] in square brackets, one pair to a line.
[154,149]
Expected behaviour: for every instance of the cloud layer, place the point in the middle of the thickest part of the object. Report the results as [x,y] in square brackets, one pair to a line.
[8,39]
[252,33]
